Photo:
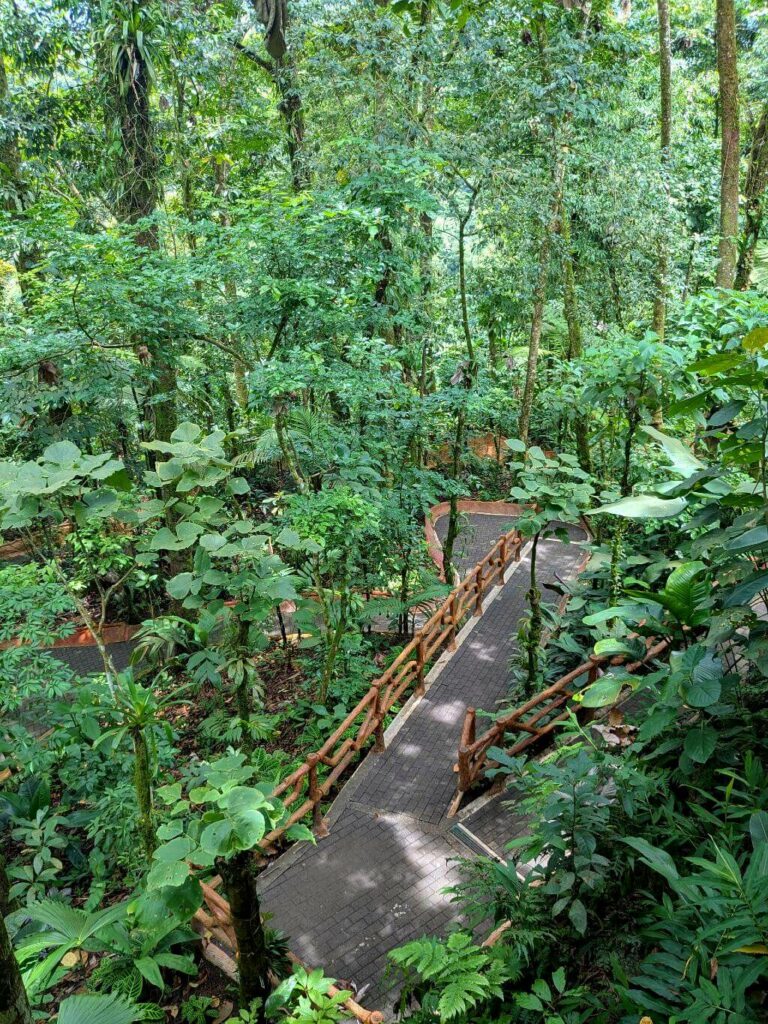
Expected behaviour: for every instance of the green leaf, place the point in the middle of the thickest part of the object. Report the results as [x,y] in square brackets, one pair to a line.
[754,538]
[170,874]
[216,838]
[515,444]
[180,586]
[758,827]
[657,859]
[700,743]
[558,979]
[111,1009]
[578,916]
[148,969]
[177,849]
[746,591]
[298,833]
[528,1001]
[641,506]
[756,339]
[603,692]
[186,432]
[542,989]
[705,685]
[611,645]
[62,453]
[683,460]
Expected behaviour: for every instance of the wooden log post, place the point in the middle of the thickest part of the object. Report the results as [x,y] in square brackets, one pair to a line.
[452,634]
[421,659]
[315,795]
[502,559]
[479,587]
[378,716]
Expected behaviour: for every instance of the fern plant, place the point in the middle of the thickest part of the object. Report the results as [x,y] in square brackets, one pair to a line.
[449,978]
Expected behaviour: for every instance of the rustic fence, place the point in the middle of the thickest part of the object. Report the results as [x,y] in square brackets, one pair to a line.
[535,719]
[304,791]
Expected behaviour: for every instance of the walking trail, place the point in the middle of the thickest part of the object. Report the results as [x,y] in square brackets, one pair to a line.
[377,880]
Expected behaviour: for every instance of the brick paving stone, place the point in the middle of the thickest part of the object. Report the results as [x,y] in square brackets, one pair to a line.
[377,880]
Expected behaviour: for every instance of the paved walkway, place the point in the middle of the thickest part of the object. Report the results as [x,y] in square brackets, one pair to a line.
[376,881]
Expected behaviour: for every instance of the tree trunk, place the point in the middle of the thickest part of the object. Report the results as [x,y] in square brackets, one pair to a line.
[142,779]
[533,638]
[469,374]
[539,298]
[14,1005]
[14,188]
[252,960]
[729,143]
[130,88]
[575,343]
[665,88]
[754,200]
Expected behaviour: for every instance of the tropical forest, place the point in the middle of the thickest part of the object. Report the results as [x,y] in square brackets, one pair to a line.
[384,511]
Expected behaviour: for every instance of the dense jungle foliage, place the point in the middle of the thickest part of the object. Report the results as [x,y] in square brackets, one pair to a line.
[276,278]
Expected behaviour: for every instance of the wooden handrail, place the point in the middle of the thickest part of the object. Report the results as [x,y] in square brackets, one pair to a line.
[472,757]
[301,791]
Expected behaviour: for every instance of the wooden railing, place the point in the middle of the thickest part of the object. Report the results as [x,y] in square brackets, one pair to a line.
[535,719]
[303,791]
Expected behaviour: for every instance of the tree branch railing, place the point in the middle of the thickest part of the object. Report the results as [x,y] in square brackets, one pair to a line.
[303,791]
[536,718]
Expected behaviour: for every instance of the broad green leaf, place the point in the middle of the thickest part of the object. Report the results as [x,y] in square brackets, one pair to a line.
[177,849]
[216,838]
[147,968]
[167,874]
[700,743]
[186,432]
[602,693]
[654,857]
[754,538]
[756,339]
[683,460]
[62,453]
[641,506]
[743,593]
[108,1009]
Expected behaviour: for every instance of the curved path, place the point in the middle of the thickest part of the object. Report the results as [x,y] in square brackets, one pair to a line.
[376,880]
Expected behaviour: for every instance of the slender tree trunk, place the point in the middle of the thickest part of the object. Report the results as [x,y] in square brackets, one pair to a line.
[540,297]
[281,67]
[252,960]
[142,779]
[729,143]
[575,343]
[533,638]
[469,374]
[14,189]
[754,200]
[665,88]
[14,1005]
